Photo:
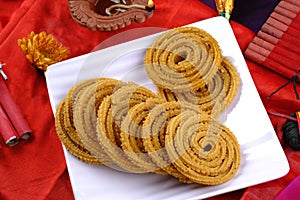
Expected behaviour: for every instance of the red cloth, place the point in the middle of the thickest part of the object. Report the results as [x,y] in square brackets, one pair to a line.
[36,169]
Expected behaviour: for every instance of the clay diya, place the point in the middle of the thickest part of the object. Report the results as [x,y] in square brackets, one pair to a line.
[108,15]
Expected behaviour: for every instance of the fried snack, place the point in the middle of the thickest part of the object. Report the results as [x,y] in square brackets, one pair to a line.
[167,94]
[108,134]
[231,80]
[153,135]
[85,110]
[216,96]
[75,149]
[70,99]
[66,130]
[131,135]
[111,114]
[126,96]
[202,149]
[183,59]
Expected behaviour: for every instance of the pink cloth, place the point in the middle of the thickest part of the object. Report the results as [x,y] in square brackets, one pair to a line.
[292,191]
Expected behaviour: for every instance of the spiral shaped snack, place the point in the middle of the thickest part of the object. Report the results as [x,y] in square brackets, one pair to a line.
[108,134]
[111,114]
[153,135]
[62,132]
[131,135]
[65,129]
[70,100]
[231,80]
[217,94]
[202,149]
[126,96]
[183,59]
[85,111]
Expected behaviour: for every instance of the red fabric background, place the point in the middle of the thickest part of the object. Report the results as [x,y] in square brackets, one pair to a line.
[36,169]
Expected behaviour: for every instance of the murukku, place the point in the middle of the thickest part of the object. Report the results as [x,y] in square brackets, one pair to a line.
[126,96]
[111,114]
[85,110]
[183,59]
[62,131]
[131,135]
[231,80]
[70,99]
[202,149]
[217,94]
[108,134]
[153,135]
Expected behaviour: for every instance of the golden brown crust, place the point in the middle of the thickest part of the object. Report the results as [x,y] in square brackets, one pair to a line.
[154,131]
[215,96]
[62,132]
[183,59]
[202,149]
[111,114]
[85,120]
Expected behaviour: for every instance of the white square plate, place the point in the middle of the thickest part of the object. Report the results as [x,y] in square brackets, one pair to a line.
[262,156]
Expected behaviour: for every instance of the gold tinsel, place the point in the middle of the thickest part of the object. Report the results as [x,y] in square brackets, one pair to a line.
[42,50]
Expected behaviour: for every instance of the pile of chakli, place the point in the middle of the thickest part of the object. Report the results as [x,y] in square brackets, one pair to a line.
[173,131]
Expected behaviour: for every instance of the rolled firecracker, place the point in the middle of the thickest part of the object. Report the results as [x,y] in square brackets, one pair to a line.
[276,54]
[285,16]
[14,113]
[287,13]
[296,23]
[262,56]
[289,6]
[284,71]
[284,61]
[275,41]
[291,40]
[295,2]
[7,130]
[277,24]
[277,47]
[293,56]
[285,39]
[252,54]
[229,4]
[267,37]
[281,18]
[291,21]
[263,43]
[288,29]
[259,49]
[271,30]
[220,7]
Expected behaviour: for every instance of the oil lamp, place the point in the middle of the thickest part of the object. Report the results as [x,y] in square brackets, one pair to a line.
[109,15]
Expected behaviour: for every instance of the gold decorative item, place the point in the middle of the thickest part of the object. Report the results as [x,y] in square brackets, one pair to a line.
[109,15]
[42,50]
[228,8]
[225,7]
